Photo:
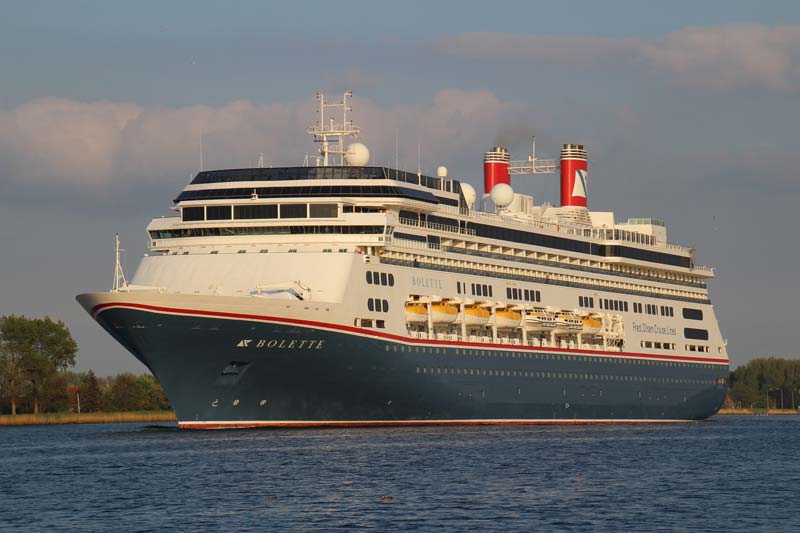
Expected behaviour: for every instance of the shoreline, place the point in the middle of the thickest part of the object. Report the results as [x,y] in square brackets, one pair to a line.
[761,412]
[86,418]
[169,416]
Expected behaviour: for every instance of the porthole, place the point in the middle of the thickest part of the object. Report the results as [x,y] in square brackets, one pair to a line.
[235,402]
[262,403]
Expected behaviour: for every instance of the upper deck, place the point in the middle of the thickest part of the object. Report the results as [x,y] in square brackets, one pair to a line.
[418,200]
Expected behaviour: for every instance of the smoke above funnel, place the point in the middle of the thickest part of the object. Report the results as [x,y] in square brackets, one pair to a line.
[514,135]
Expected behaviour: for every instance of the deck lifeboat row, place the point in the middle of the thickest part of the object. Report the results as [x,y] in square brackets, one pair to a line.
[537,320]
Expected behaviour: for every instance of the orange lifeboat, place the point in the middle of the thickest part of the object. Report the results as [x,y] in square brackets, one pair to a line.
[443,313]
[507,318]
[416,313]
[475,315]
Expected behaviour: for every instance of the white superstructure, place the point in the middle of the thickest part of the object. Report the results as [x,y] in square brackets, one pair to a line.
[420,257]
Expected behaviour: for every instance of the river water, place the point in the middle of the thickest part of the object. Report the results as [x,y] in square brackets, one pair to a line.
[726,474]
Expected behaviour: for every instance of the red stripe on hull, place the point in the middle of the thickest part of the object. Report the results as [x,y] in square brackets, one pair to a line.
[408,340]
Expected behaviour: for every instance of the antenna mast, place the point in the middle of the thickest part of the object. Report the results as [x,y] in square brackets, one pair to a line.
[332,132]
[120,282]
[533,165]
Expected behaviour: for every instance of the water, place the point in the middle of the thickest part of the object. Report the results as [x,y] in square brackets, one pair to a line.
[728,474]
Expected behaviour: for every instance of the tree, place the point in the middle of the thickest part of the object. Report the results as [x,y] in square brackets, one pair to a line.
[762,382]
[91,395]
[52,350]
[16,334]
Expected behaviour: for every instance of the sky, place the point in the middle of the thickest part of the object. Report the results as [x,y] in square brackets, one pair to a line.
[689,112]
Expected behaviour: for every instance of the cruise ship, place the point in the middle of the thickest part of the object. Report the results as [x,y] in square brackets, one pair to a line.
[340,293]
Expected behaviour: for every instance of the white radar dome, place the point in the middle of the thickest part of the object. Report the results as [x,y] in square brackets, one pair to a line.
[441,172]
[469,194]
[357,155]
[502,195]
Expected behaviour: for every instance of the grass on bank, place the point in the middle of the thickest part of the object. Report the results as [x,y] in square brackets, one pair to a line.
[87,418]
[758,411]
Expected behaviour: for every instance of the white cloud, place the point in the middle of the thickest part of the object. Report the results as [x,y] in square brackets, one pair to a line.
[549,49]
[730,57]
[104,144]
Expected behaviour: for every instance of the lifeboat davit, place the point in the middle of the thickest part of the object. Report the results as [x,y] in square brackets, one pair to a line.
[475,315]
[443,313]
[507,318]
[416,313]
[567,323]
[591,325]
[539,321]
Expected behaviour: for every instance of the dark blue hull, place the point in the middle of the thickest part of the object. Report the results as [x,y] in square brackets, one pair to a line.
[240,372]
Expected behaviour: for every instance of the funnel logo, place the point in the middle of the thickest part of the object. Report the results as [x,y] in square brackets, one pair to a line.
[579,187]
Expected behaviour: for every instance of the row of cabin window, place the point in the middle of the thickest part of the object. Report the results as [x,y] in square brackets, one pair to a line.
[250,212]
[652,309]
[369,323]
[658,345]
[697,348]
[528,295]
[561,375]
[547,356]
[273,193]
[481,289]
[179,233]
[380,278]
[477,289]
[586,301]
[378,305]
[613,305]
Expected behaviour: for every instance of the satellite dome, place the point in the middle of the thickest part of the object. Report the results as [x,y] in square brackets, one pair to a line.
[441,172]
[357,155]
[469,194]
[502,195]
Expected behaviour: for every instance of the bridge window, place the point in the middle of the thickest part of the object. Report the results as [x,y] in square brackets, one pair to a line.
[248,212]
[323,211]
[218,212]
[294,210]
[190,214]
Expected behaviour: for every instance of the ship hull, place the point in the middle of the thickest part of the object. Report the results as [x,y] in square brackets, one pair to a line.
[223,369]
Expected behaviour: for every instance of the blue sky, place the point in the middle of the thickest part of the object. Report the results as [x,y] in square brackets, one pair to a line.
[688,110]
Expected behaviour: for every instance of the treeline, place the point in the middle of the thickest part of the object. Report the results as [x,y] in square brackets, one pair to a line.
[766,383]
[35,357]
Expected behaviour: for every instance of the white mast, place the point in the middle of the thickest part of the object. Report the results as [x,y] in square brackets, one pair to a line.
[333,131]
[120,282]
[533,165]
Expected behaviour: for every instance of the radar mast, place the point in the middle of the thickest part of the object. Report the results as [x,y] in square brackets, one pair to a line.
[330,131]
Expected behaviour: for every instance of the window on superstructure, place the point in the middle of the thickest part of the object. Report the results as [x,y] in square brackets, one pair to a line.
[369,277]
[384,279]
[391,280]
[218,212]
[294,210]
[323,210]
[695,333]
[692,314]
[190,214]
[250,212]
